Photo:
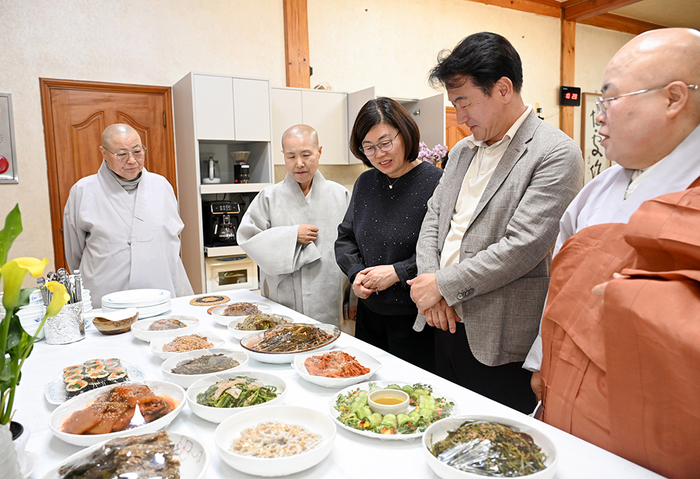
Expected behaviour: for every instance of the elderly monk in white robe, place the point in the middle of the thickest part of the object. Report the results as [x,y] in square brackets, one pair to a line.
[290,229]
[121,226]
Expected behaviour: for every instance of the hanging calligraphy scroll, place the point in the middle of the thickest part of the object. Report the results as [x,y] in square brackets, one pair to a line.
[593,154]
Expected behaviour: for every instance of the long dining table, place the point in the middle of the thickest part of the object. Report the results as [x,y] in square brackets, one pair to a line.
[352,456]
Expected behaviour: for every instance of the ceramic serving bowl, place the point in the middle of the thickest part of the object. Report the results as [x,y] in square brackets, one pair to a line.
[249,342]
[61,414]
[116,322]
[240,333]
[140,329]
[192,455]
[439,430]
[186,380]
[314,421]
[218,313]
[363,358]
[388,401]
[158,343]
[215,414]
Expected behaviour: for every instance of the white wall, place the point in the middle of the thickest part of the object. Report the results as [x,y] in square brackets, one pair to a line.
[153,42]
[391,44]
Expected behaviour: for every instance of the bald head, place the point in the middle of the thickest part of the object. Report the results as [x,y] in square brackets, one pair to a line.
[117,129]
[120,139]
[640,130]
[301,131]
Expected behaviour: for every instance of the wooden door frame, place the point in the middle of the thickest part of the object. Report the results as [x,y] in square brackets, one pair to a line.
[46,86]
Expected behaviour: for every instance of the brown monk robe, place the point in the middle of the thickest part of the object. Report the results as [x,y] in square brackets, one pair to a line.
[625,374]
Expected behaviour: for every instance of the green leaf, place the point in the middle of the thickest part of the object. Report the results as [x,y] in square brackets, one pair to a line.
[12,229]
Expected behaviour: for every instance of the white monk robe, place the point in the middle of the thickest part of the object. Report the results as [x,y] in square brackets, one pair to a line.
[118,243]
[303,277]
[602,200]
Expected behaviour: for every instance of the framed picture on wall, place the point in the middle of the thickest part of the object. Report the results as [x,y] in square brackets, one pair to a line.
[594,158]
[8,161]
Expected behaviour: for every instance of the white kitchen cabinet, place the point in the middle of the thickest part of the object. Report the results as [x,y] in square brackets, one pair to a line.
[231,109]
[216,115]
[428,113]
[325,111]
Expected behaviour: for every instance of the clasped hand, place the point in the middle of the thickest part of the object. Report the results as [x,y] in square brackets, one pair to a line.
[374,279]
[307,234]
[426,294]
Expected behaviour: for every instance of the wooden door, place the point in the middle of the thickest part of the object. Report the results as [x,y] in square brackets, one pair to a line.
[453,130]
[75,114]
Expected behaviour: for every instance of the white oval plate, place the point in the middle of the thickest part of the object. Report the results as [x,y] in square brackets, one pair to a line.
[186,380]
[158,343]
[282,358]
[135,298]
[216,414]
[55,391]
[140,328]
[363,358]
[438,431]
[314,421]
[384,437]
[63,412]
[216,313]
[240,334]
[194,460]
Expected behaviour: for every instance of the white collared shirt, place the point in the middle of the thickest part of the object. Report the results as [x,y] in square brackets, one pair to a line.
[478,175]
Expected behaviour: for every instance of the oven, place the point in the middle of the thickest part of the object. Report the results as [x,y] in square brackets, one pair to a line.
[230,272]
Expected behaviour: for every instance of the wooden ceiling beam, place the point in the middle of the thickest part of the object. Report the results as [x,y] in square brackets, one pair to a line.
[550,8]
[577,11]
[296,44]
[621,24]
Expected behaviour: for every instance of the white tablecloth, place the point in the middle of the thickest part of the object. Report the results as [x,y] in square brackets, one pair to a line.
[353,456]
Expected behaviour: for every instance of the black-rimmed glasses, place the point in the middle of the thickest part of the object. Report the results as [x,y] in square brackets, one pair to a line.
[602,107]
[138,153]
[385,145]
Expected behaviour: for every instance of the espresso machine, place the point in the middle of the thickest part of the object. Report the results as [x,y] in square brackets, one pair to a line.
[220,222]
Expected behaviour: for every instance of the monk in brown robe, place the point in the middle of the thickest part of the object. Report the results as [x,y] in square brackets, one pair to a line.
[624,373]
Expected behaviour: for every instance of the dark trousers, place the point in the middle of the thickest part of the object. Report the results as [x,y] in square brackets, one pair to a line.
[395,335]
[508,384]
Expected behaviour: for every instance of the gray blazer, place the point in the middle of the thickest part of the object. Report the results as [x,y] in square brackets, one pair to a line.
[499,286]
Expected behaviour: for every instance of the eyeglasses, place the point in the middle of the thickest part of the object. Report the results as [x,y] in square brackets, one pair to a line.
[602,107]
[138,153]
[385,145]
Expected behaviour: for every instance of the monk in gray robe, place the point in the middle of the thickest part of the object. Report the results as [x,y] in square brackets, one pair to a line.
[121,226]
[290,229]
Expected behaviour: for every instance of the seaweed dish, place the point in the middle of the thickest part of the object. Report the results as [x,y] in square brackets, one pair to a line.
[210,363]
[146,456]
[259,322]
[490,449]
[241,309]
[122,407]
[291,338]
[93,374]
[166,324]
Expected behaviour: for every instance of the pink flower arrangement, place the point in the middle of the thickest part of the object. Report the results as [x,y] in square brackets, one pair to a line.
[434,156]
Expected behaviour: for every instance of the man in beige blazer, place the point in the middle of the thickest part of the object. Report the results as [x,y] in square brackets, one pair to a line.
[484,250]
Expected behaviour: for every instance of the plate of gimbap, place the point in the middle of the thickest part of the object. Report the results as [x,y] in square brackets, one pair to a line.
[89,375]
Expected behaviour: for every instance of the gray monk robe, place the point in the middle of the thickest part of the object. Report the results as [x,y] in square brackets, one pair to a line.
[303,277]
[120,242]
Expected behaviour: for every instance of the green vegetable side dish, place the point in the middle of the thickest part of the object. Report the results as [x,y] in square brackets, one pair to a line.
[240,391]
[490,449]
[426,409]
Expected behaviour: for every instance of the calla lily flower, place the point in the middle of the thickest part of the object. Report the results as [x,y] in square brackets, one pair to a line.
[60,297]
[13,273]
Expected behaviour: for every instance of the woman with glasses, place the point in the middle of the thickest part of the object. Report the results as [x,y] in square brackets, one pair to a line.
[376,245]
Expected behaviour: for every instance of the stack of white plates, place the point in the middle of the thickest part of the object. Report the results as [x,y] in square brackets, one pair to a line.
[149,302]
